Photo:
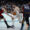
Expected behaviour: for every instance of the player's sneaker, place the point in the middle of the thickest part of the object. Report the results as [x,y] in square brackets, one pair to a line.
[10,26]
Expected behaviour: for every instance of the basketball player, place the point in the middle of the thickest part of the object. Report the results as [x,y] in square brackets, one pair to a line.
[26,14]
[17,10]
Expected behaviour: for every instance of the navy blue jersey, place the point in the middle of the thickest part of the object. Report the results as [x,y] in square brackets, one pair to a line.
[26,8]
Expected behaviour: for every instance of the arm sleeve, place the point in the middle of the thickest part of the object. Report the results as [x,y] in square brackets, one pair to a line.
[11,15]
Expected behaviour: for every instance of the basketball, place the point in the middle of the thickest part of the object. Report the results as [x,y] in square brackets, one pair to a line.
[14,13]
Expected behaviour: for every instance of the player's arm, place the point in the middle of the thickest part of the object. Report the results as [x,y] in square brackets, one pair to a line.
[11,15]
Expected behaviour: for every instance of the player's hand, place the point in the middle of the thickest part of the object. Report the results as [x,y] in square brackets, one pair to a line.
[12,18]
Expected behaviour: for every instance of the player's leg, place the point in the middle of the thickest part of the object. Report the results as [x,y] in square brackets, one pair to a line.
[27,21]
[7,23]
[22,24]
[0,18]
